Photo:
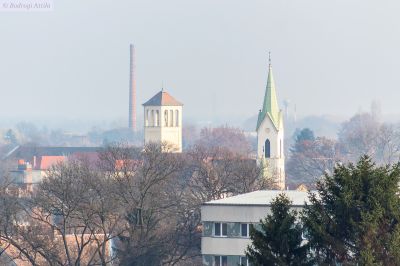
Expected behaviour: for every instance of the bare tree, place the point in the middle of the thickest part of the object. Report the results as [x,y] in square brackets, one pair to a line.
[74,205]
[17,232]
[311,157]
[160,223]
[359,136]
[219,172]
[365,134]
[388,149]
[225,137]
[69,220]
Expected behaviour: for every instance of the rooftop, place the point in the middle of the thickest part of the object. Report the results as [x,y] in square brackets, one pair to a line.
[162,98]
[262,197]
[46,162]
[27,152]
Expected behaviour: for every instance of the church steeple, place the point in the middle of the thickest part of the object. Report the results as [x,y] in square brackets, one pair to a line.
[270,135]
[270,104]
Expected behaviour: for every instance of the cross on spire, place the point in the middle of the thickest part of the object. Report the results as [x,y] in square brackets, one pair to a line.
[269,58]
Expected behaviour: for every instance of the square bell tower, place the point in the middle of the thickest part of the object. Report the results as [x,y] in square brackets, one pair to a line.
[163,121]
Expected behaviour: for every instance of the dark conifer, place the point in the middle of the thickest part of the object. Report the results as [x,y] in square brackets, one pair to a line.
[354,216]
[279,242]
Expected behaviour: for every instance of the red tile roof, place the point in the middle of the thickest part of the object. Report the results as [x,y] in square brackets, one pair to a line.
[162,98]
[45,162]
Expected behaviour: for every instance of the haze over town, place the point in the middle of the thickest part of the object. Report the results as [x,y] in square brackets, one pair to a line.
[68,68]
[215,133]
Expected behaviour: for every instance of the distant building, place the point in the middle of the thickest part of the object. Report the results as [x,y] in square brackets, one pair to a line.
[25,177]
[28,174]
[270,135]
[33,163]
[227,222]
[163,120]
[27,153]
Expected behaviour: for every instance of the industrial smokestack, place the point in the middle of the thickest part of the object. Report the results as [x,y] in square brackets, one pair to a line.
[132,90]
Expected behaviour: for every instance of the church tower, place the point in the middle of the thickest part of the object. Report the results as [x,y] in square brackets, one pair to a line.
[270,135]
[163,121]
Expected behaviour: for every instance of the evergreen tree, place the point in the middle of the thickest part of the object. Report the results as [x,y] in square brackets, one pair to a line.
[304,134]
[10,137]
[302,139]
[279,242]
[353,218]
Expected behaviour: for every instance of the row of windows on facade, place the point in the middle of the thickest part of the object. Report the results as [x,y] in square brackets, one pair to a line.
[170,117]
[218,229]
[267,149]
[228,229]
[225,260]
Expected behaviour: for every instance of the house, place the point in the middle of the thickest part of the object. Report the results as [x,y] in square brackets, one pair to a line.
[34,162]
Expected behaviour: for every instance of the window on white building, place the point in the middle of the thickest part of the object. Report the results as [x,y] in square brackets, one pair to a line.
[220,229]
[244,230]
[244,261]
[220,261]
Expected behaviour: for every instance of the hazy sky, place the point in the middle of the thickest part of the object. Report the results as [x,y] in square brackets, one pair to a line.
[329,57]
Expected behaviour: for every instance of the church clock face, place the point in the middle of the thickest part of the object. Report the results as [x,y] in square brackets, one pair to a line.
[267,130]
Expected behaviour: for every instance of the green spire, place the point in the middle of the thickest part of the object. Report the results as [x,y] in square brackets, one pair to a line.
[270,105]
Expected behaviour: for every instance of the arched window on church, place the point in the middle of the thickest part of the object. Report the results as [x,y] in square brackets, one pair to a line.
[171,118]
[166,118]
[267,149]
[152,118]
[157,119]
[177,118]
[147,118]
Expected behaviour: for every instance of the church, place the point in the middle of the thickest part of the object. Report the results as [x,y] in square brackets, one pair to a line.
[270,135]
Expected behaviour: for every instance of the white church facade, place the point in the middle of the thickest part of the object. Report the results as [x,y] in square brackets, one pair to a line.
[270,135]
[163,121]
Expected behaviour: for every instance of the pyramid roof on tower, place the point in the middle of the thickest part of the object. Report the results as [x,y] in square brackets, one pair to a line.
[270,103]
[162,98]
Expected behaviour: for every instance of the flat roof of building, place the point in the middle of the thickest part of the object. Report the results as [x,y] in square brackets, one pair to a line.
[262,197]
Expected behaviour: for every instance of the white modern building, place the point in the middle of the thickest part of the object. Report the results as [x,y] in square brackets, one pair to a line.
[227,222]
